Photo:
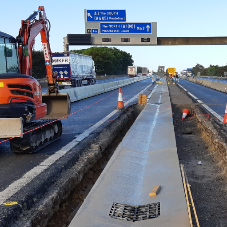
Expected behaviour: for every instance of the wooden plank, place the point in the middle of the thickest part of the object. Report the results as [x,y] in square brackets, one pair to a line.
[155,190]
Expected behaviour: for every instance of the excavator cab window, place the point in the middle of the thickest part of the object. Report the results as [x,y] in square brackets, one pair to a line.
[11,57]
[2,56]
[8,56]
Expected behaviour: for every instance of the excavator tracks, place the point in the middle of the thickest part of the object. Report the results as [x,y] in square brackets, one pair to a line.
[36,136]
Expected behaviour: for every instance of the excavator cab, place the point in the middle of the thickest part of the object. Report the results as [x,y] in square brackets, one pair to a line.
[8,54]
[21,99]
[18,90]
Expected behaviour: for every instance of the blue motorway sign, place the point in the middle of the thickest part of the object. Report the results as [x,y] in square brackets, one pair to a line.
[106,15]
[94,31]
[126,28]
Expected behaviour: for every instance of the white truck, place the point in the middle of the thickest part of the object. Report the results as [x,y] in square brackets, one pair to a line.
[73,69]
[132,71]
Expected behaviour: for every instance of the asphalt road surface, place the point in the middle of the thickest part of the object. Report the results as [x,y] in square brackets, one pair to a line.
[216,100]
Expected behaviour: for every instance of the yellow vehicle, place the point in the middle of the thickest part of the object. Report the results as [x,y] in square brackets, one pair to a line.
[171,70]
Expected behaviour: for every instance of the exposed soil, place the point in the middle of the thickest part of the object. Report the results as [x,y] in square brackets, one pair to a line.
[71,205]
[195,145]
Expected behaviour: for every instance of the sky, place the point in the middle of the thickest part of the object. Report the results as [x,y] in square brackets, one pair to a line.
[175,18]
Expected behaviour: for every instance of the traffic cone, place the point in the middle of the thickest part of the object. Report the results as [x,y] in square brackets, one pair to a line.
[225,116]
[185,113]
[120,105]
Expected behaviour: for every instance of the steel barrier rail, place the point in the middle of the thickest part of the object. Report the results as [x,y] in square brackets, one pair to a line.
[146,157]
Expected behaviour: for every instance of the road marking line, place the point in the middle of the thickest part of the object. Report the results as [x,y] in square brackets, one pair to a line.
[30,175]
[192,95]
[182,87]
[208,108]
[214,113]
[10,203]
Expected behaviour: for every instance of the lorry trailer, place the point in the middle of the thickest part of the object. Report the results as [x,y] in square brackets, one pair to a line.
[73,69]
[144,71]
[132,71]
[136,71]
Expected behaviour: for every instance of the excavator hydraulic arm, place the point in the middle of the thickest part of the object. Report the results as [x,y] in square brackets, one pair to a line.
[58,104]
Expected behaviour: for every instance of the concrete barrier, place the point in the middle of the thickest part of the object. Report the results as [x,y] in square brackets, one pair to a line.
[219,86]
[79,93]
[207,83]
[211,84]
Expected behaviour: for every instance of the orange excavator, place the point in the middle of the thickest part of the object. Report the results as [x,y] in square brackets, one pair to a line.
[26,115]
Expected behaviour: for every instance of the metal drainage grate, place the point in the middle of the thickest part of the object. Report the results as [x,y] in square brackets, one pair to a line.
[134,213]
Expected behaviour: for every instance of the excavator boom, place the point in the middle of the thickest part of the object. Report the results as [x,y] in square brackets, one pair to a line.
[30,28]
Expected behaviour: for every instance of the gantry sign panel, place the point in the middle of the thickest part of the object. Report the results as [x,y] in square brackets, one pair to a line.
[109,27]
[125,28]
[109,15]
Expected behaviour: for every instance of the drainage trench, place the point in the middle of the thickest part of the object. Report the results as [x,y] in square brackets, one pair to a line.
[69,206]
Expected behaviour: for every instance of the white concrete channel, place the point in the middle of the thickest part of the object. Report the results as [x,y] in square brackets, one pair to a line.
[146,157]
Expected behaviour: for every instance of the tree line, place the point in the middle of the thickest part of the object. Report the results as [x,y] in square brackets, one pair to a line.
[212,70]
[109,61]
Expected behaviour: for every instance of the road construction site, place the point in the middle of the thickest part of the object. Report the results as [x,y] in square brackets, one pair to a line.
[200,146]
[199,141]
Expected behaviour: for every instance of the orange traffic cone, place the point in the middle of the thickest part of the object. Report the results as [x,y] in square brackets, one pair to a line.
[225,116]
[185,113]
[120,105]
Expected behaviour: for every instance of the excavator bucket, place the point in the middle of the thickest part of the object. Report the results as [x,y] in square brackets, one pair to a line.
[58,106]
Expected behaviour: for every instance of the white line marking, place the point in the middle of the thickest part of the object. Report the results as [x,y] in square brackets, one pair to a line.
[182,87]
[30,175]
[213,112]
[192,95]
[208,108]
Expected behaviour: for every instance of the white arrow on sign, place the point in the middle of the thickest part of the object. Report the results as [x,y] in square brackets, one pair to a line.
[148,28]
